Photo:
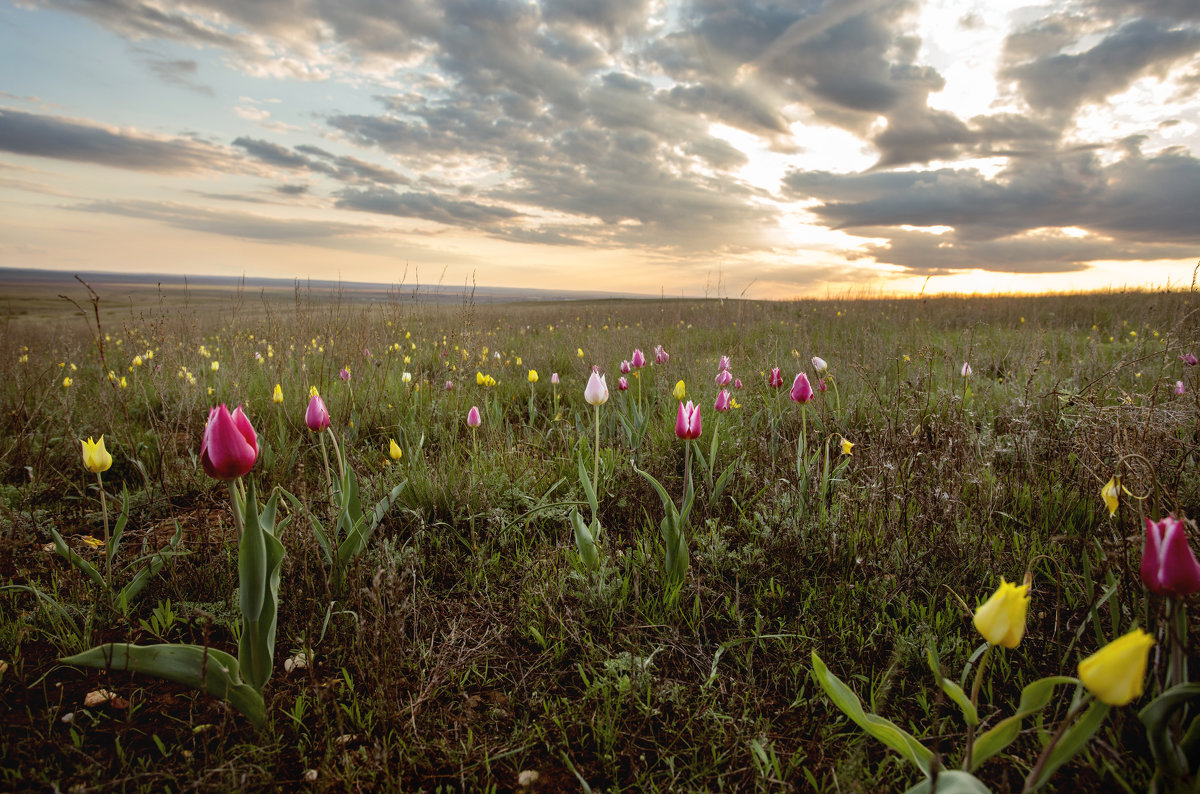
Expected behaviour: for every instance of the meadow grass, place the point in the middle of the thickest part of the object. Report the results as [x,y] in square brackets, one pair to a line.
[468,645]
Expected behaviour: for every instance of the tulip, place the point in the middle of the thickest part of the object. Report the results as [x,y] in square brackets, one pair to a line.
[687,422]
[95,457]
[344,374]
[137,361]
[229,447]
[394,451]
[1168,565]
[473,418]
[1189,359]
[737,383]
[723,363]
[724,378]
[277,395]
[819,364]
[406,377]
[449,385]
[776,379]
[317,416]
[802,390]
[966,369]
[847,446]
[67,382]
[532,376]
[639,358]
[554,378]
[623,383]
[822,385]
[722,403]
[579,352]
[479,379]
[626,367]
[661,356]
[1116,673]
[596,392]
[679,391]
[1179,389]
[1001,620]
[1110,493]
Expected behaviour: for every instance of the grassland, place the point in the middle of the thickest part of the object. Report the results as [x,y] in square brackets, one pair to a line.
[468,645]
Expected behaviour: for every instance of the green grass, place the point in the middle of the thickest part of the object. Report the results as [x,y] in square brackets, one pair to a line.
[468,645]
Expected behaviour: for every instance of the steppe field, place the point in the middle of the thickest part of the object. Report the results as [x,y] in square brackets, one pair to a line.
[432,552]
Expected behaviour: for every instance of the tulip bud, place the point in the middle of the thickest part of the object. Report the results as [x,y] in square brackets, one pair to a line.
[661,356]
[449,385]
[847,446]
[95,457]
[1116,673]
[596,391]
[1001,620]
[623,383]
[533,376]
[626,367]
[1179,389]
[473,418]
[317,416]
[966,369]
[723,363]
[819,364]
[724,378]
[687,422]
[639,358]
[822,385]
[1110,493]
[554,378]
[277,396]
[722,403]
[776,379]
[1169,566]
[737,383]
[1189,359]
[229,446]
[802,390]
[394,451]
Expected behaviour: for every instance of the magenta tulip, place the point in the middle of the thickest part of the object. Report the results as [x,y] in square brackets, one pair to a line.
[722,403]
[344,374]
[802,390]
[737,383]
[661,356]
[229,447]
[1189,359]
[626,367]
[723,363]
[776,379]
[1168,565]
[1179,388]
[687,422]
[822,385]
[639,358]
[449,385]
[724,378]
[623,383]
[473,418]
[316,417]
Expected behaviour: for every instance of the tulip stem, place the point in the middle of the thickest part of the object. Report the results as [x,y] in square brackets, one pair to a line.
[337,451]
[325,457]
[108,554]
[238,502]
[975,686]
[1036,772]
[687,472]
[596,462]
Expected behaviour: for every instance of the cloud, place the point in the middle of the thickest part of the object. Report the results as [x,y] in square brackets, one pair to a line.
[312,158]
[81,141]
[426,206]
[178,72]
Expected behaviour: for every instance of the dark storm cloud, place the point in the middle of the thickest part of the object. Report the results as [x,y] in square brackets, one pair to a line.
[69,139]
[427,206]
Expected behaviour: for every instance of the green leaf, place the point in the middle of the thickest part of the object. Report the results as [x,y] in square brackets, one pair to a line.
[72,557]
[882,729]
[1034,698]
[1071,743]
[586,481]
[206,669]
[722,481]
[668,504]
[260,557]
[1157,716]
[951,781]
[953,690]
[119,528]
[584,540]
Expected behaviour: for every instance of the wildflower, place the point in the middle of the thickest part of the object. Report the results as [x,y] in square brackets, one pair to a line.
[639,358]
[1001,620]
[317,415]
[137,361]
[344,374]
[626,367]
[95,457]
[724,378]
[687,421]
[449,385]
[1179,388]
[473,418]
[229,447]
[723,363]
[775,381]
[122,383]
[819,364]
[722,403]
[822,385]
[623,383]
[554,378]
[847,446]
[1189,359]
[679,391]
[596,391]
[966,369]
[661,356]
[406,377]
[1110,493]
[532,377]
[277,395]
[394,451]
[737,383]
[479,379]
[1169,566]
[579,352]
[67,382]
[1116,673]
[802,390]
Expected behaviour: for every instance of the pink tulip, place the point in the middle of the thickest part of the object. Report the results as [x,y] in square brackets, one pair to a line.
[1168,565]
[449,385]
[554,378]
[317,416]
[737,383]
[229,447]
[966,369]
[1189,359]
[687,422]
[776,379]
[819,364]
[723,363]
[344,374]
[626,367]
[661,356]
[822,385]
[802,390]
[639,358]
[1179,389]
[722,403]
[724,378]
[623,383]
[473,418]
[596,391]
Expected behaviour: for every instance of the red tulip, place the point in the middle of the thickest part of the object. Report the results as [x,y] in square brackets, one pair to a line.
[623,383]
[687,422]
[1168,565]
[802,390]
[626,367]
[229,447]
[317,416]
[776,379]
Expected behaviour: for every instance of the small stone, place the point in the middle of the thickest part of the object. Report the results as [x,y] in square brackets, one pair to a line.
[310,776]
[97,697]
[528,777]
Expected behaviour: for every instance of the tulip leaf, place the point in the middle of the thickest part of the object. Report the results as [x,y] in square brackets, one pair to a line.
[71,556]
[951,781]
[1071,743]
[260,557]
[1157,716]
[722,481]
[882,729]
[588,491]
[584,540]
[207,669]
[1034,698]
[953,690]
[119,527]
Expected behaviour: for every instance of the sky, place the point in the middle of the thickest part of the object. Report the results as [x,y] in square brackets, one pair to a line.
[692,147]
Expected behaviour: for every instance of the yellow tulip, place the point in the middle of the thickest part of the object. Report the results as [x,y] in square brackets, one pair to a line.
[1001,620]
[277,397]
[680,391]
[312,392]
[67,382]
[1110,493]
[95,457]
[1116,673]
[479,378]
[394,450]
[847,446]
[533,376]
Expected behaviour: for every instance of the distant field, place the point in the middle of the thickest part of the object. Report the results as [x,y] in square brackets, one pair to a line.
[469,645]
